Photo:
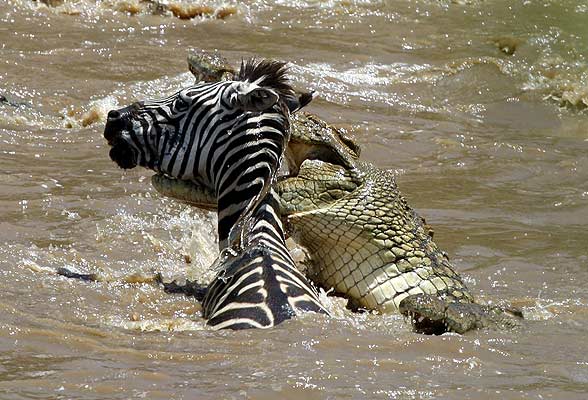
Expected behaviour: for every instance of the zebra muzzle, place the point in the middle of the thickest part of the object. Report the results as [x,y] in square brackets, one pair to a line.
[119,120]
[115,124]
[123,154]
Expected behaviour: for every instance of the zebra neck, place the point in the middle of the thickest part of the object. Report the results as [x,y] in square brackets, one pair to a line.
[265,225]
[244,171]
[262,225]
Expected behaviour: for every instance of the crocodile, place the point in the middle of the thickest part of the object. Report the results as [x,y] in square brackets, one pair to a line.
[364,241]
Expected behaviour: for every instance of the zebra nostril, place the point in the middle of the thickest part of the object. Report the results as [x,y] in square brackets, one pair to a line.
[115,123]
[113,114]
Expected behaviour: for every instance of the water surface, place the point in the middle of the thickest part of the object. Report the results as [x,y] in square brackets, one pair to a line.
[478,105]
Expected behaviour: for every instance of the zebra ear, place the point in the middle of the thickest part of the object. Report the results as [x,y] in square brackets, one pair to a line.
[248,96]
[298,101]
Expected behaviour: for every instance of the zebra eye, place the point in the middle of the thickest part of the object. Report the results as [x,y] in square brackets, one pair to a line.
[180,104]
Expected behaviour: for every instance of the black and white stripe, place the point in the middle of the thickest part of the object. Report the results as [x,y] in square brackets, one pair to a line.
[259,287]
[228,137]
[197,135]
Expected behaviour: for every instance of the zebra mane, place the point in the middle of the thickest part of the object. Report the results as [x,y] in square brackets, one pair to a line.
[266,73]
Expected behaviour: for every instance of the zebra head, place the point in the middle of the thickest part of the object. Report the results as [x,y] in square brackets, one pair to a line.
[164,135]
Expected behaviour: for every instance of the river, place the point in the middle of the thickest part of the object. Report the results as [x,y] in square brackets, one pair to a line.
[479,106]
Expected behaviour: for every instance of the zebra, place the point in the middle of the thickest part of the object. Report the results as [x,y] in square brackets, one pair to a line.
[229,137]
[259,286]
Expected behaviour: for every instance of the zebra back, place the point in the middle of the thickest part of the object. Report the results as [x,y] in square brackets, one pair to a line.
[259,286]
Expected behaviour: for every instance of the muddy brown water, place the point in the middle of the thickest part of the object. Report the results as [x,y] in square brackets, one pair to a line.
[479,106]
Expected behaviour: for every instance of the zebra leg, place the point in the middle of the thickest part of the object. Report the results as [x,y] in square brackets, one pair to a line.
[190,288]
[62,271]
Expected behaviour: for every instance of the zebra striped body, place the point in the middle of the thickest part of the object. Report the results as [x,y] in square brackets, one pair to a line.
[229,137]
[260,286]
